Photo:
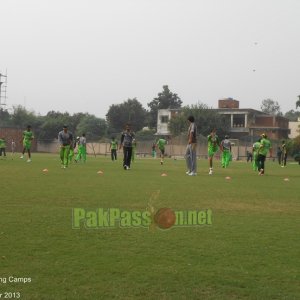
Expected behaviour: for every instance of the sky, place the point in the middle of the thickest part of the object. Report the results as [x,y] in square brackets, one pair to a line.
[83,56]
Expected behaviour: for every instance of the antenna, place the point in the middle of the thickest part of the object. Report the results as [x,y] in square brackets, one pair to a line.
[3,88]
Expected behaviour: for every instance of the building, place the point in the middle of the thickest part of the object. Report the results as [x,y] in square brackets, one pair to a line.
[251,122]
[294,128]
[163,118]
[243,122]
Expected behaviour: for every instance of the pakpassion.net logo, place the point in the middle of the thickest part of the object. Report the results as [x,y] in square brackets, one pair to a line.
[163,218]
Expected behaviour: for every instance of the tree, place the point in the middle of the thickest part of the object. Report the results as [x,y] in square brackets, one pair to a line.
[206,119]
[130,111]
[292,115]
[93,127]
[166,99]
[271,107]
[298,102]
[5,117]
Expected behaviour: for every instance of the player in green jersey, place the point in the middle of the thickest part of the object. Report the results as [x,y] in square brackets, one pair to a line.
[161,143]
[264,148]
[2,147]
[65,139]
[283,154]
[255,149]
[27,138]
[113,148]
[226,154]
[213,147]
[81,149]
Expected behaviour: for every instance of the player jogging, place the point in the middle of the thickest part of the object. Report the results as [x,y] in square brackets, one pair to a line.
[264,148]
[283,154]
[213,147]
[161,143]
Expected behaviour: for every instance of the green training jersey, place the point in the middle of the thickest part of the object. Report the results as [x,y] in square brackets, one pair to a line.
[213,143]
[256,147]
[27,136]
[114,145]
[161,143]
[2,143]
[265,146]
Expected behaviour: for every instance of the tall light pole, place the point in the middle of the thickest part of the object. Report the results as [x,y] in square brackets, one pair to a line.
[3,86]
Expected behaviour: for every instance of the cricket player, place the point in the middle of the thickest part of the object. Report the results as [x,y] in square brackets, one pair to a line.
[65,139]
[191,154]
[113,148]
[81,149]
[213,147]
[2,147]
[27,138]
[72,149]
[226,153]
[255,149]
[283,154]
[126,143]
[264,148]
[134,145]
[161,144]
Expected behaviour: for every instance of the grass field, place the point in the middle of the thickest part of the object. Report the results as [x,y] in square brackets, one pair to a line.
[251,250]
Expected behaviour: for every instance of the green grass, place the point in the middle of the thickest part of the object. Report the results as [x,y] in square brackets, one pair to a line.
[251,251]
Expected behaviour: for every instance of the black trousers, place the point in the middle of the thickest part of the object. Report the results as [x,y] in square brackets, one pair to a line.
[261,162]
[113,154]
[127,156]
[2,150]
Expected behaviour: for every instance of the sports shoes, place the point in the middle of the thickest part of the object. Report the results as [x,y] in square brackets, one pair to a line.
[261,172]
[210,172]
[192,174]
[127,168]
[161,162]
[187,172]
[29,160]
[22,156]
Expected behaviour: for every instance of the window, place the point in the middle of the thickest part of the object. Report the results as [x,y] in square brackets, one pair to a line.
[164,119]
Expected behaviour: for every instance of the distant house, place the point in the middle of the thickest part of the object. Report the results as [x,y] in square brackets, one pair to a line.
[243,122]
[163,118]
[251,122]
[294,128]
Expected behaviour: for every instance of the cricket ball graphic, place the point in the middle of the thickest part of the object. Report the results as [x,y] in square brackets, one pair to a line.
[165,218]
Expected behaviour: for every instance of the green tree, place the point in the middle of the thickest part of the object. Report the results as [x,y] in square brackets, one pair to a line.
[292,115]
[206,119]
[130,111]
[93,127]
[5,118]
[298,102]
[166,99]
[271,107]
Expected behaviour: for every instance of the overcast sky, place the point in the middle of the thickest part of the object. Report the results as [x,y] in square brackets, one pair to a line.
[83,56]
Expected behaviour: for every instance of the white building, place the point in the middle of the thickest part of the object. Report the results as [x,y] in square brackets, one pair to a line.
[163,118]
[295,129]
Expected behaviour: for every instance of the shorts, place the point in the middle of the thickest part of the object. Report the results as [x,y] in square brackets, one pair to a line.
[211,152]
[27,145]
[162,151]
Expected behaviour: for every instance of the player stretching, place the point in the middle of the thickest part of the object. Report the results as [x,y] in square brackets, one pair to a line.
[27,138]
[213,147]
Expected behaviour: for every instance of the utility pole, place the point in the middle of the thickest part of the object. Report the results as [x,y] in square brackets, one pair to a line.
[3,87]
